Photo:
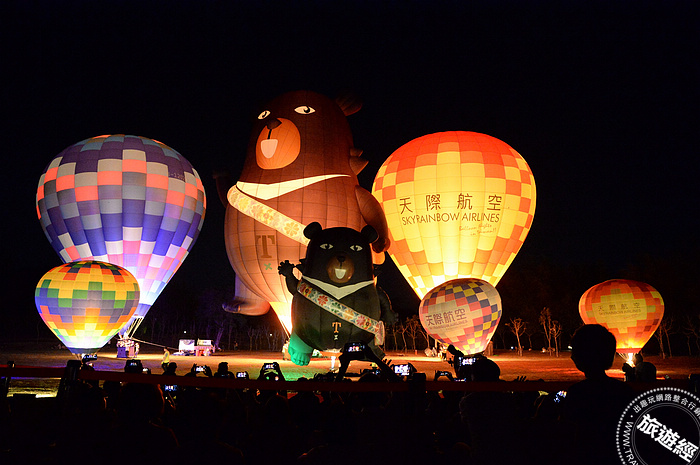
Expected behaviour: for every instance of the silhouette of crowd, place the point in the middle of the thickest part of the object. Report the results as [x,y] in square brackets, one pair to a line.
[146,423]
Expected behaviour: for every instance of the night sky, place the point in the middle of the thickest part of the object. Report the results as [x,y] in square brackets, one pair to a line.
[600,98]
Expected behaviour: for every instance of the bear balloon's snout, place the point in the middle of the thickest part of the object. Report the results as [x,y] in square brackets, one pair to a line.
[340,268]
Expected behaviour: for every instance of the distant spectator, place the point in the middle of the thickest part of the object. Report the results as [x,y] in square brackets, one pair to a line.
[222,371]
[166,358]
[640,371]
[170,369]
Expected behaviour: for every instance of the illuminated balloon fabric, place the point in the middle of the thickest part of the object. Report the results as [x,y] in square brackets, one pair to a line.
[458,204]
[86,303]
[462,312]
[301,167]
[126,200]
[631,310]
[245,302]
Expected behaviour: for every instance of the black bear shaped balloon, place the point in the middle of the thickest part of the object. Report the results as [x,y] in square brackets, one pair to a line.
[336,301]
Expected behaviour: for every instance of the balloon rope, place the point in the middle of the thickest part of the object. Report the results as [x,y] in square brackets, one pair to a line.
[152,344]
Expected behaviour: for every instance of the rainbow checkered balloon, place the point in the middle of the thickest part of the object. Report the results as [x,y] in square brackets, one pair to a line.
[85,303]
[631,310]
[462,312]
[458,205]
[126,200]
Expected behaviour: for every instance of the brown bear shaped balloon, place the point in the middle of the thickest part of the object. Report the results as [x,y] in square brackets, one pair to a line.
[301,167]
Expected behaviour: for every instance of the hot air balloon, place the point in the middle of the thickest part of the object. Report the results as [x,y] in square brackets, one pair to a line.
[126,200]
[631,310]
[458,205]
[301,167]
[85,303]
[462,312]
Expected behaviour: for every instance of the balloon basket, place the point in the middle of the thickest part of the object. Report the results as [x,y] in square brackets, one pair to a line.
[127,348]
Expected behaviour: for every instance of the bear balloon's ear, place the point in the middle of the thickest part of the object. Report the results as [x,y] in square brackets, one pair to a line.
[312,229]
[348,102]
[368,232]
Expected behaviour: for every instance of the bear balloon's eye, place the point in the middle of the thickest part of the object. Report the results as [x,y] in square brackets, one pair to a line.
[326,246]
[304,110]
[355,248]
[264,114]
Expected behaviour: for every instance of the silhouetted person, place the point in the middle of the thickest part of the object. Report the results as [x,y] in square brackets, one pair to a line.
[139,412]
[5,414]
[85,412]
[222,371]
[203,369]
[208,441]
[169,390]
[170,369]
[492,419]
[641,371]
[88,367]
[592,408]
[485,369]
[273,438]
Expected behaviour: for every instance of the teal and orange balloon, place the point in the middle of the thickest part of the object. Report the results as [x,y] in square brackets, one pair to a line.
[85,303]
[462,312]
[631,310]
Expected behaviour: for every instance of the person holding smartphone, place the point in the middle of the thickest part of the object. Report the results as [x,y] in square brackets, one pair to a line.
[196,369]
[222,371]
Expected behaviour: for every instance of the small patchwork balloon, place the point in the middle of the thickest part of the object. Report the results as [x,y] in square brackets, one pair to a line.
[462,312]
[631,310]
[85,303]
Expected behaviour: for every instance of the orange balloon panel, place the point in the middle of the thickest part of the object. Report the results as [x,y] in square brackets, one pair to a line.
[631,310]
[462,312]
[458,204]
[86,303]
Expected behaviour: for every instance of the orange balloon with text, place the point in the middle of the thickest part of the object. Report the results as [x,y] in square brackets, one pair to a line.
[458,205]
[631,310]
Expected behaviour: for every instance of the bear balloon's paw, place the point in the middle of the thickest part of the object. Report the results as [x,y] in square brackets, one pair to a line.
[286,269]
[299,351]
[300,359]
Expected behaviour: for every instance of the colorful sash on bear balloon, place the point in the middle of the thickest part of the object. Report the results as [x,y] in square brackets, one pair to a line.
[267,215]
[342,311]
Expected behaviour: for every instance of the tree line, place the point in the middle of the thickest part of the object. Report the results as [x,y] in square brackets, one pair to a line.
[540,311]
